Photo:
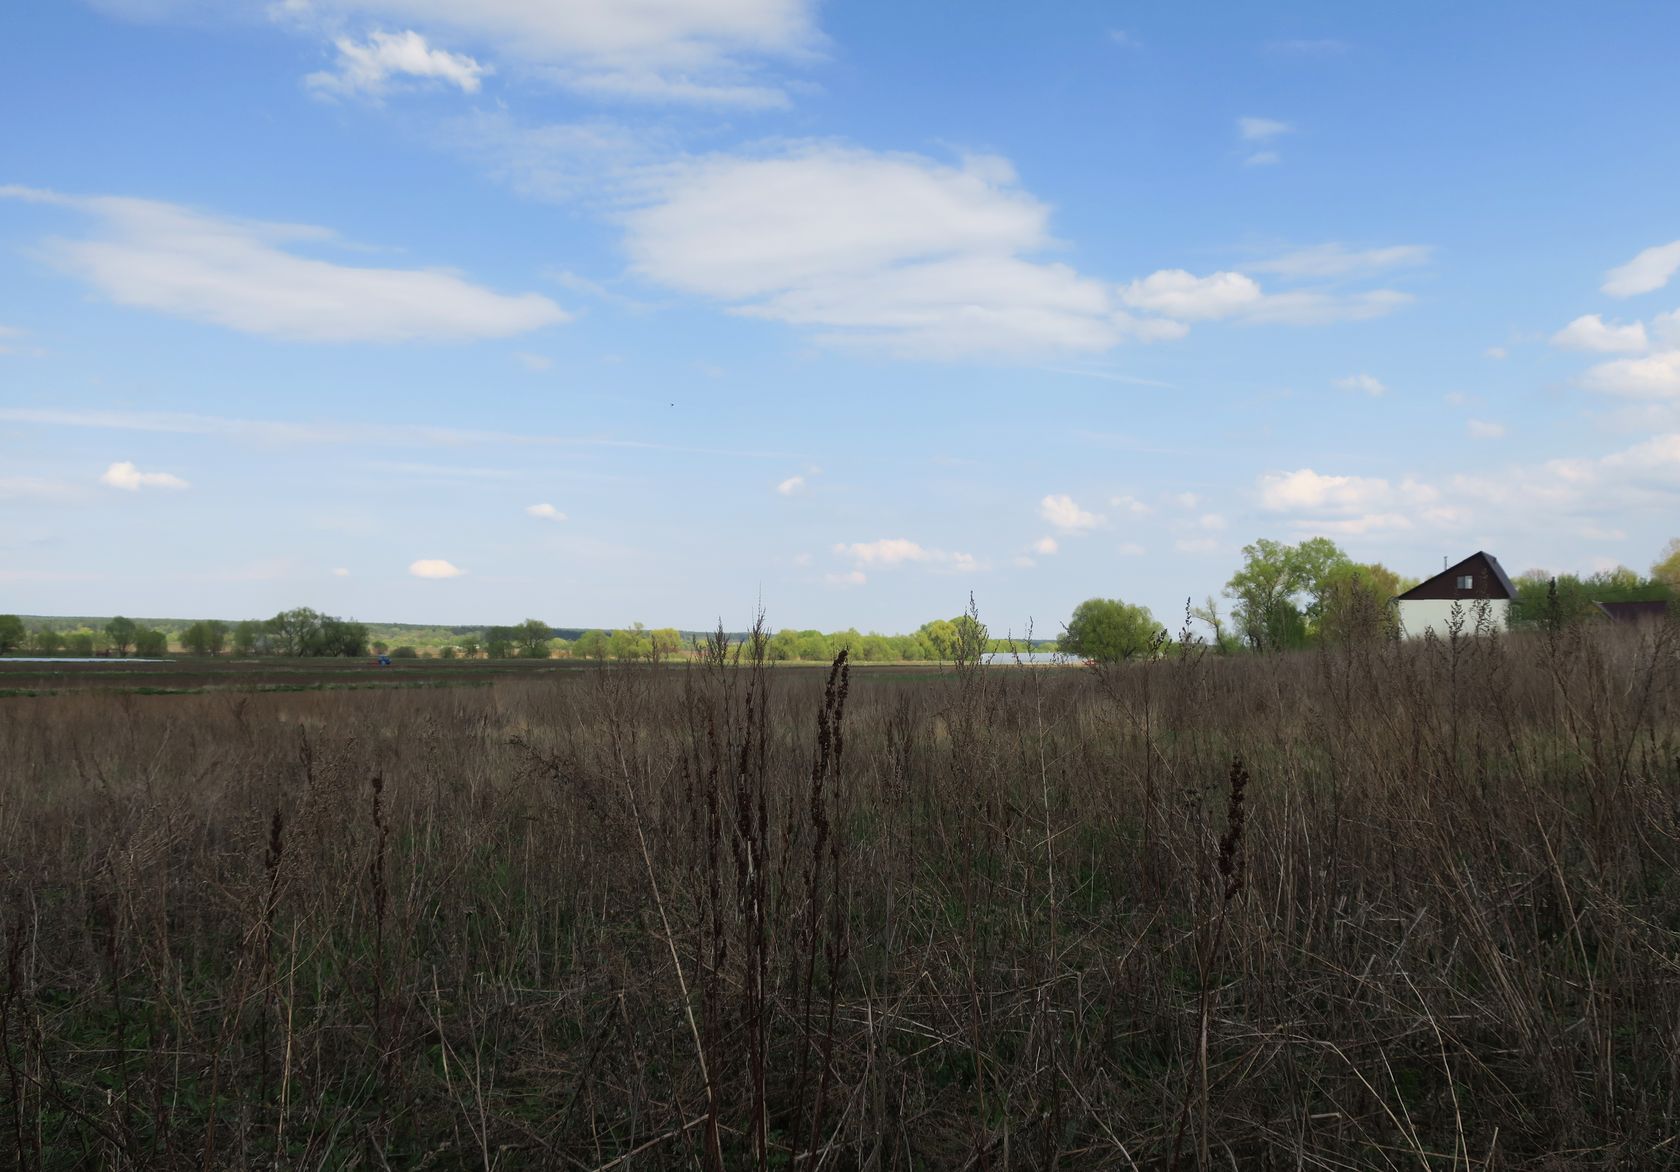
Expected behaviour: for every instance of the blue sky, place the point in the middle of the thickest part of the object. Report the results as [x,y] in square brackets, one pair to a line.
[616,310]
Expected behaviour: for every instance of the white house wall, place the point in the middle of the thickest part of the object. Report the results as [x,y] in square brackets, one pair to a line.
[1418,615]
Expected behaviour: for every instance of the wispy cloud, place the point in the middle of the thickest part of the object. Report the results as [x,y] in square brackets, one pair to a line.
[1648,271]
[1262,129]
[250,277]
[1327,261]
[544,512]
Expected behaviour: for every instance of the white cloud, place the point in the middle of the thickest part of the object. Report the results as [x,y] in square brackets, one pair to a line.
[1195,545]
[369,67]
[1211,521]
[1261,129]
[1649,270]
[1456,399]
[1176,293]
[1184,500]
[1181,294]
[1129,504]
[889,552]
[1653,377]
[1324,261]
[1496,352]
[1306,490]
[126,476]
[691,51]
[893,250]
[1065,515]
[847,578]
[535,363]
[1045,546]
[1589,332]
[1123,38]
[434,568]
[1362,382]
[247,276]
[792,486]
[544,512]
[341,572]
[1484,429]
[1130,549]
[1263,159]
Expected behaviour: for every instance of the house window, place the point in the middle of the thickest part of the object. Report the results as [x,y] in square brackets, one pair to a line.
[1466,582]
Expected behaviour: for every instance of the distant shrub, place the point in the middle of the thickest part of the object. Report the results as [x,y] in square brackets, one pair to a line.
[405,653]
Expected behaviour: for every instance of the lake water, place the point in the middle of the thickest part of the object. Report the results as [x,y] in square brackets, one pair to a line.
[1005,657]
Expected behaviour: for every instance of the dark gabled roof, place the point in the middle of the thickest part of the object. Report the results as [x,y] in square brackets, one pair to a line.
[1433,587]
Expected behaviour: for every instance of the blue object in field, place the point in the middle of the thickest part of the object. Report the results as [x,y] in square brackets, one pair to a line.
[384,661]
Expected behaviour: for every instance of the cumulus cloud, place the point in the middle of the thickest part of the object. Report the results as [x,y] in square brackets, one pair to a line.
[1063,513]
[1308,490]
[434,568]
[251,277]
[847,578]
[1654,377]
[1589,332]
[890,552]
[126,476]
[1648,271]
[1129,504]
[544,512]
[1181,294]
[792,486]
[1045,546]
[371,67]
[666,51]
[1362,382]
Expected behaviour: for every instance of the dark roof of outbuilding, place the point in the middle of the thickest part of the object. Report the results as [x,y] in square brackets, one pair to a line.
[1428,588]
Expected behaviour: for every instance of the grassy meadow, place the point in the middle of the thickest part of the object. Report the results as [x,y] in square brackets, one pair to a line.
[1378,906]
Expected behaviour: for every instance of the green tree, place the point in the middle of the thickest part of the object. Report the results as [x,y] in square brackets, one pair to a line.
[215,635]
[499,642]
[12,633]
[1667,567]
[446,652]
[1268,591]
[533,636]
[667,642]
[79,643]
[1355,603]
[631,643]
[250,637]
[470,647]
[121,633]
[195,639]
[592,645]
[293,632]
[1107,630]
[405,652]
[46,641]
[150,643]
[939,637]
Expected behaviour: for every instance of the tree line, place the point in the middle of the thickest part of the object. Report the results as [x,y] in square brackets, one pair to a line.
[1287,597]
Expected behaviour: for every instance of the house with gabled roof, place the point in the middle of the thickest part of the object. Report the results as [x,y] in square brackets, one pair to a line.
[1477,590]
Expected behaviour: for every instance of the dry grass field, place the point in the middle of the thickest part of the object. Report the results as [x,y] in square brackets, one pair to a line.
[1374,907]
